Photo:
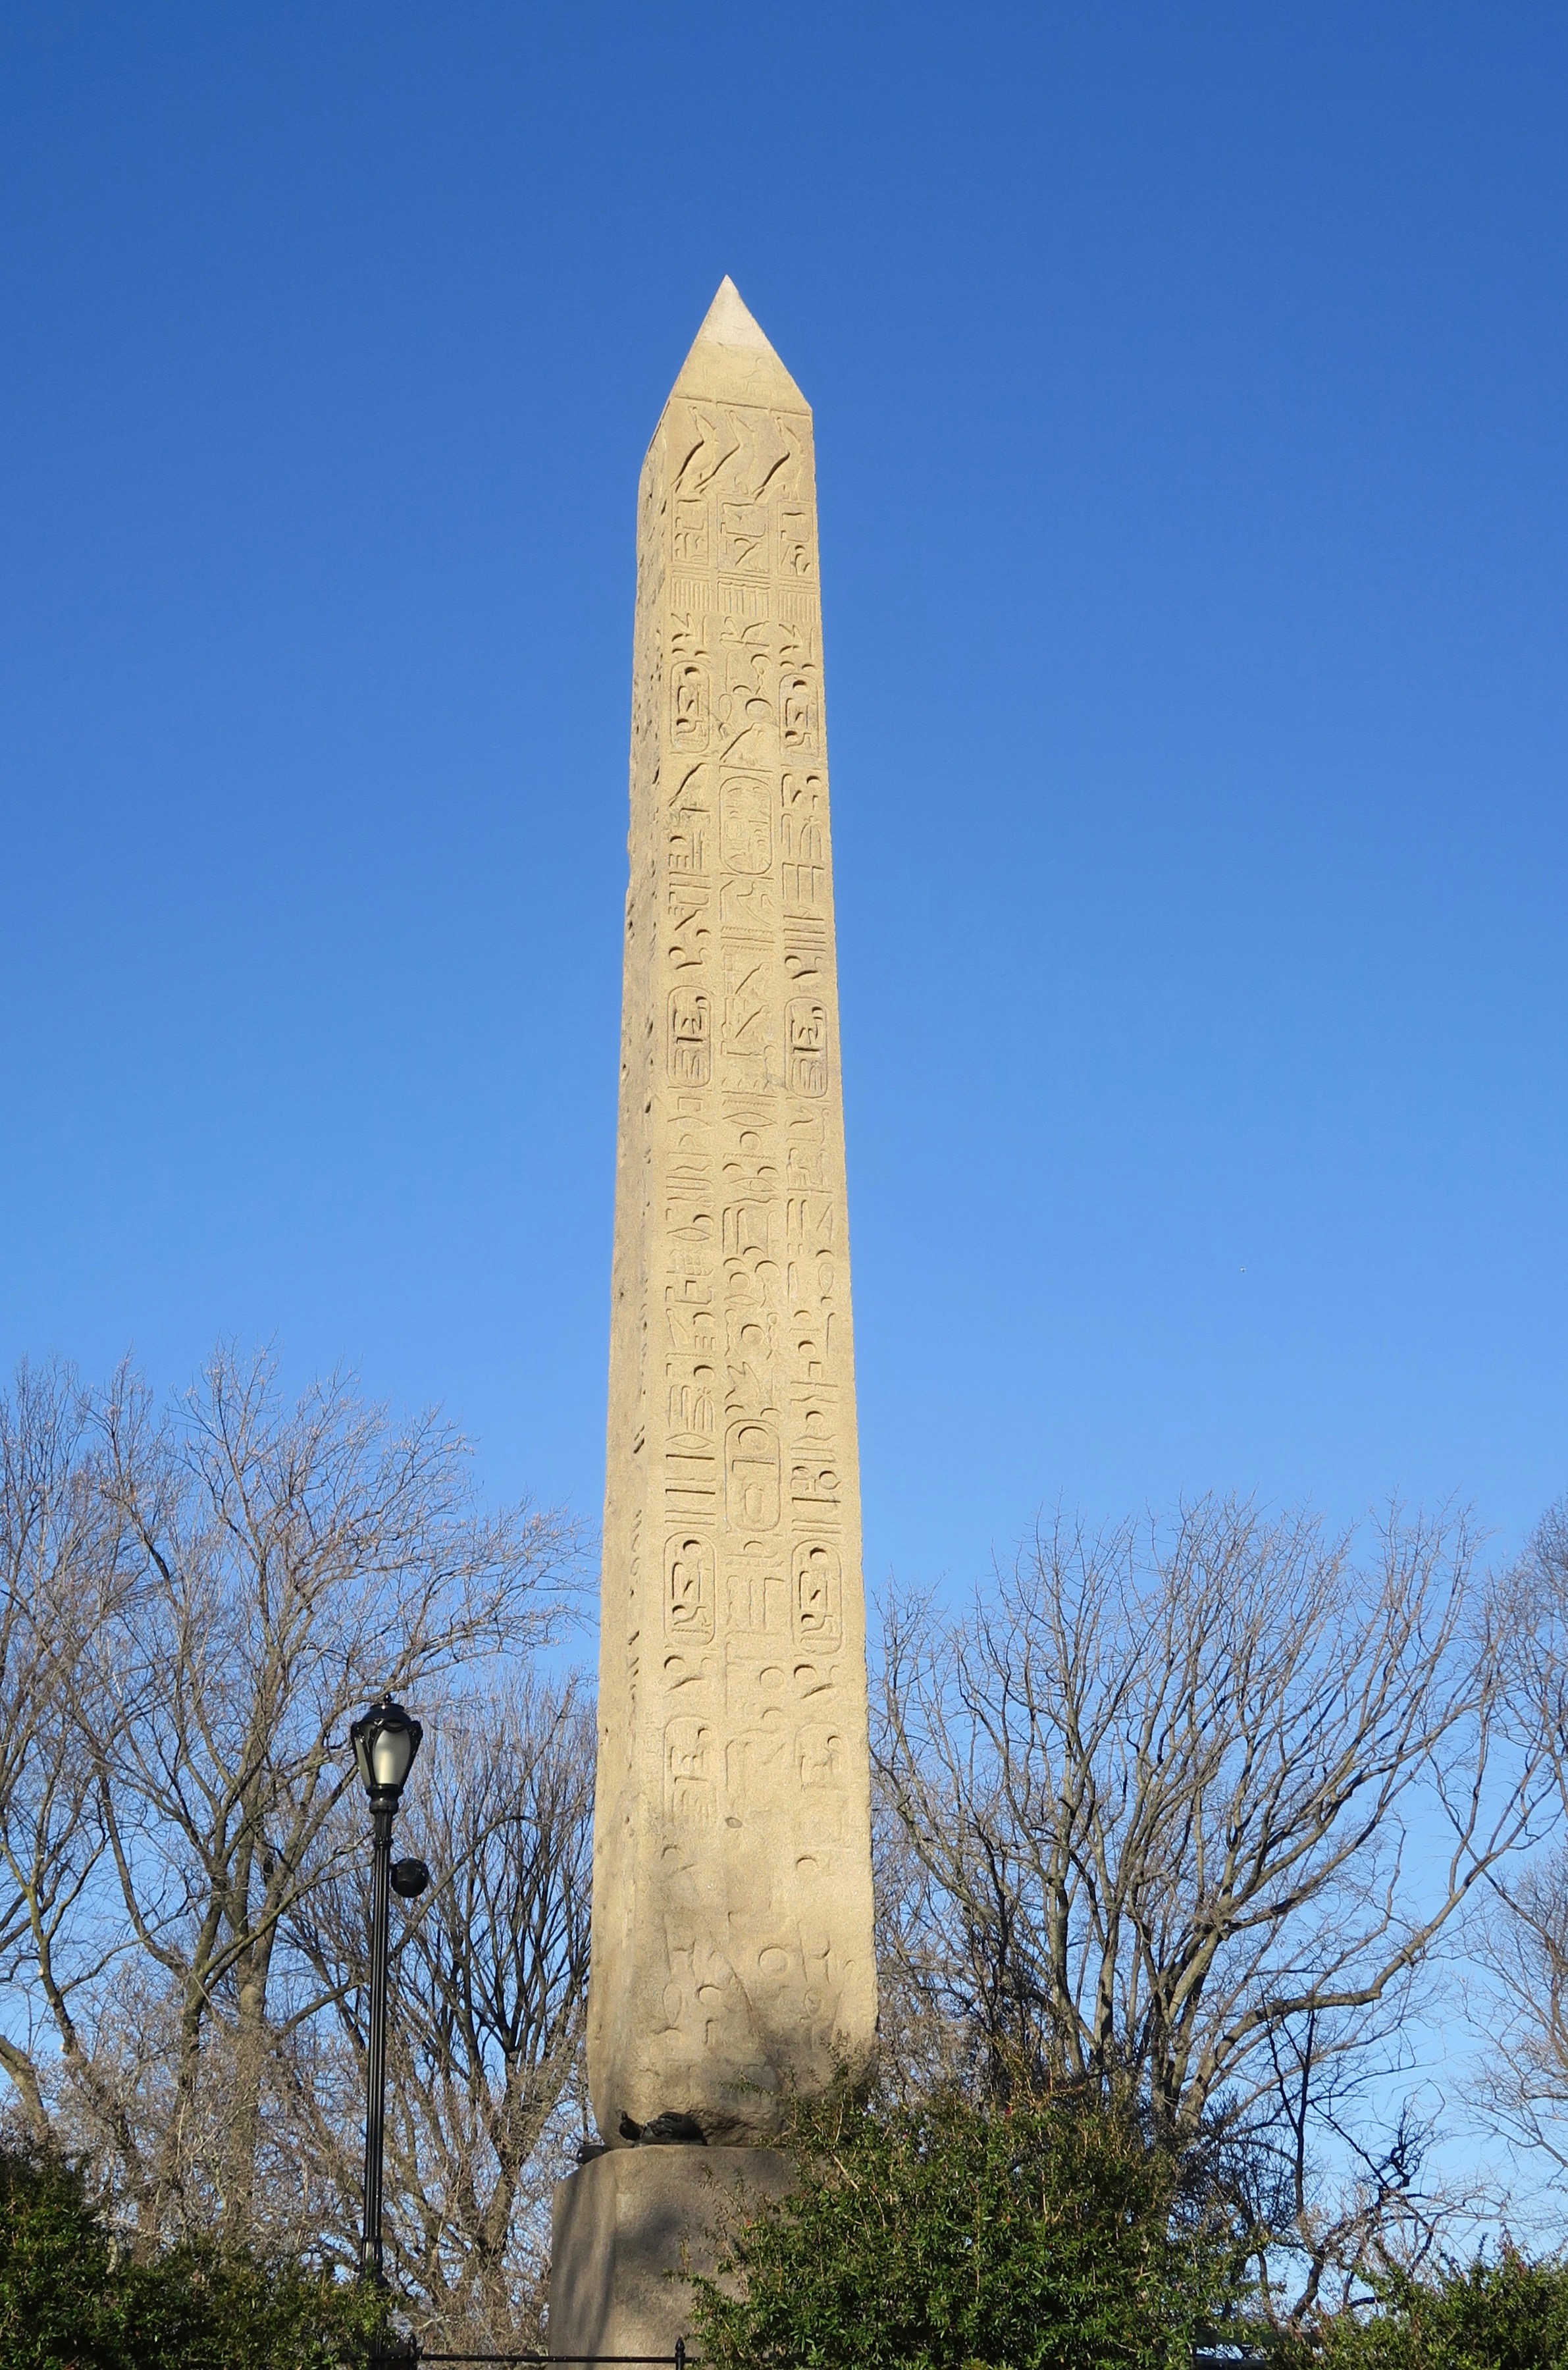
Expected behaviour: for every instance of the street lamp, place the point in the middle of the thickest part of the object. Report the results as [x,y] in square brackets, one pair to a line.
[385,1740]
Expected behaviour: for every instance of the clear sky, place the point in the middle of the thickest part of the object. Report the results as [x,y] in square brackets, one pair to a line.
[1190,390]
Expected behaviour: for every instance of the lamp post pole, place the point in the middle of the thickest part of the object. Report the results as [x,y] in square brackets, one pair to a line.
[382,1814]
[385,1740]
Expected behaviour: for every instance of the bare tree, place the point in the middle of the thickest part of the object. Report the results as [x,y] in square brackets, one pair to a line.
[1154,1797]
[60,1575]
[485,2088]
[1521,2082]
[286,1564]
[1522,2079]
[1326,2188]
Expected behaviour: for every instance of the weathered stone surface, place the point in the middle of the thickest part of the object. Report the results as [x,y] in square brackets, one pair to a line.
[733,1954]
[623,2225]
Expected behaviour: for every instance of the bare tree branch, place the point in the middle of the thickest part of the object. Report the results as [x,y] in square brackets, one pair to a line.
[1153,1797]
[277,1566]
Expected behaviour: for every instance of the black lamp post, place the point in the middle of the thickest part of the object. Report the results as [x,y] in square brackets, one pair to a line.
[385,1740]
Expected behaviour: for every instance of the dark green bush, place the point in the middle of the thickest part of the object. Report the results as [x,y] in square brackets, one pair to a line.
[66,2303]
[930,2238]
[1509,2314]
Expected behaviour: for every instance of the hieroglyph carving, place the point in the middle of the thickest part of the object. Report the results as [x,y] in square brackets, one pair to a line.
[732,1955]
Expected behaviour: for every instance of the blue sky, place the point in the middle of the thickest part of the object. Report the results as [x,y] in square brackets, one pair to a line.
[1190,389]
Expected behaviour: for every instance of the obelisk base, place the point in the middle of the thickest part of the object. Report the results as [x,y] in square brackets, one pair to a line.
[618,2227]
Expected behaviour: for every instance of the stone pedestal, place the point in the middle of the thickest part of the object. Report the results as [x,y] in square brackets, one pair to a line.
[619,2225]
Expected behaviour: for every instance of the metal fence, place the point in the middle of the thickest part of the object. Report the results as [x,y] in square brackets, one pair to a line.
[1204,2357]
[679,2360]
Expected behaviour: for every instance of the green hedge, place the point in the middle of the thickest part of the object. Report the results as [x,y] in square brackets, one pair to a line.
[66,2303]
[931,2238]
[1509,2314]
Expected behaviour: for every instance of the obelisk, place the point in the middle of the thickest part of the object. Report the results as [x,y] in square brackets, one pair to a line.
[733,1964]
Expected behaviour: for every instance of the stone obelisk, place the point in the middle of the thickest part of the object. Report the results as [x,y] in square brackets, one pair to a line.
[732,1960]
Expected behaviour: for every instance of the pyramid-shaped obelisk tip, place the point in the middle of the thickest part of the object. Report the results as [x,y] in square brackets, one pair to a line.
[729,323]
[730,358]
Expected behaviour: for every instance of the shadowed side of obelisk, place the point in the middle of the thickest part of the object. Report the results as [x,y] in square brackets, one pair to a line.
[732,1961]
